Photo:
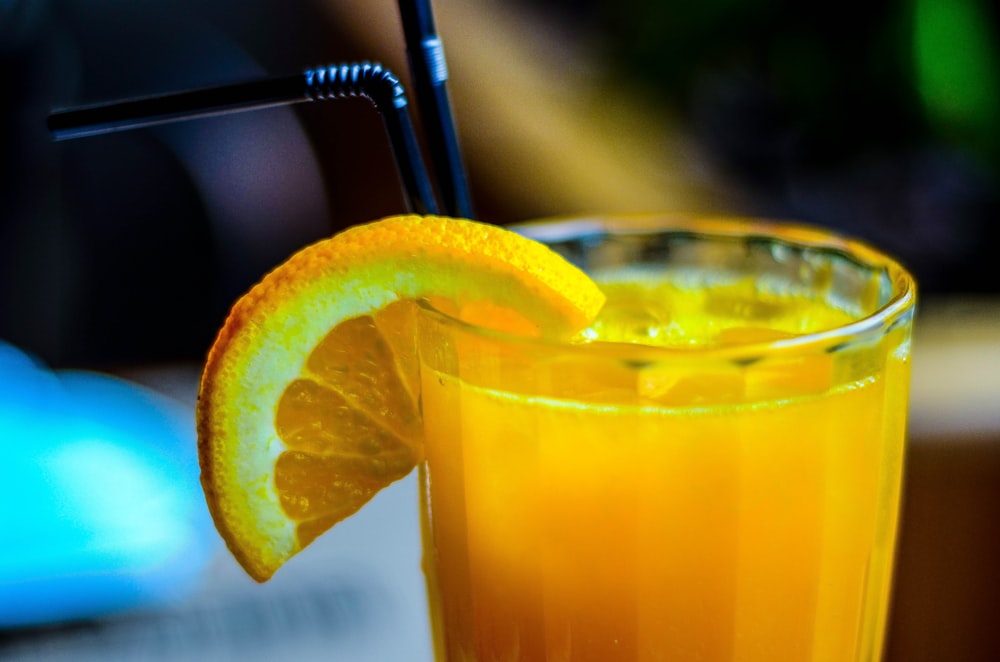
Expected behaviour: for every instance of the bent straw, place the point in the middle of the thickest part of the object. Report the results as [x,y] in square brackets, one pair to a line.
[430,76]
[369,80]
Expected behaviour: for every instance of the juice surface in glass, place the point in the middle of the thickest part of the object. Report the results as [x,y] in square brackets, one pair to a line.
[711,473]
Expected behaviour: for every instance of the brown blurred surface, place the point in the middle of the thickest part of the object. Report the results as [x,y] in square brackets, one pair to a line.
[947,581]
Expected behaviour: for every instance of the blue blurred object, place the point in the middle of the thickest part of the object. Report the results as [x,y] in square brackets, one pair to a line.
[101,508]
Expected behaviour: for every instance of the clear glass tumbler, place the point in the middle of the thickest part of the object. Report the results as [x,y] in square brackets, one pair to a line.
[711,472]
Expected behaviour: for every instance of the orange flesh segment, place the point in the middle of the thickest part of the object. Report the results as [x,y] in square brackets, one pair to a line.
[351,427]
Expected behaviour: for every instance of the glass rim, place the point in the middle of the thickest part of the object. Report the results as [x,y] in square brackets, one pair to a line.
[872,325]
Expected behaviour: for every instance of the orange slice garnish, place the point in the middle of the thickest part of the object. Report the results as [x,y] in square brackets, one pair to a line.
[308,400]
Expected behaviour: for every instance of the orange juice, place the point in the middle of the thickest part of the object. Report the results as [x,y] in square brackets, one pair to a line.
[713,473]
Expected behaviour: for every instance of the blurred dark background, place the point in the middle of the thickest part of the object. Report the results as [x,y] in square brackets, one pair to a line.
[129,248]
[876,118]
[879,118]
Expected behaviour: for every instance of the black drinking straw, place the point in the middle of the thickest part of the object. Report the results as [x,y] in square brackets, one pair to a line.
[368,80]
[430,76]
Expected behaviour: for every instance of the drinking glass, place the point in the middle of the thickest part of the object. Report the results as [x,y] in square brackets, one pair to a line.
[711,472]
